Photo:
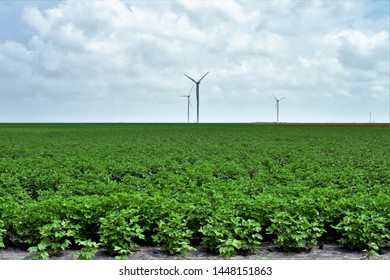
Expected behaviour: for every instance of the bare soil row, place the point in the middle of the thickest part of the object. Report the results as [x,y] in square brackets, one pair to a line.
[266,252]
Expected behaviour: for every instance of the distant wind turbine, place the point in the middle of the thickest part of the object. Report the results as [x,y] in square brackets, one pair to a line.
[188,103]
[197,94]
[277,107]
[370,116]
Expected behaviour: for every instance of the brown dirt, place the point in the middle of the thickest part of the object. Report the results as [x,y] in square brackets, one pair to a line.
[267,251]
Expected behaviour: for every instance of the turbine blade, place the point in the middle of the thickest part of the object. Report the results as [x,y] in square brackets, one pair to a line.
[191,89]
[190,78]
[203,77]
[183,96]
[282,98]
[189,101]
[275,97]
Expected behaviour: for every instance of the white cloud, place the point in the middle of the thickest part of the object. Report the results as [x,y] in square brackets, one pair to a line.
[123,61]
[360,50]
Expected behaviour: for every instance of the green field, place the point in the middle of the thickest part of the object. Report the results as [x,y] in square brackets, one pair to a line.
[227,187]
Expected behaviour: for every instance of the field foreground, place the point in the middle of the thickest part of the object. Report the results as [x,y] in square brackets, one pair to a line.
[227,188]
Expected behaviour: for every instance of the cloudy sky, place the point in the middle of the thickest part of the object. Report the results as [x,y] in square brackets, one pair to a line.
[123,61]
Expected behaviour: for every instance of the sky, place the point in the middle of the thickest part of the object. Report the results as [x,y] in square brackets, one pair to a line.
[123,61]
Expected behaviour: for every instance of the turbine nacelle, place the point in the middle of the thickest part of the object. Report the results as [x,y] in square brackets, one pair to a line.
[277,100]
[188,97]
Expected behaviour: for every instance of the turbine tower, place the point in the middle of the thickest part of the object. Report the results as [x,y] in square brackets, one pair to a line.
[277,107]
[188,103]
[197,94]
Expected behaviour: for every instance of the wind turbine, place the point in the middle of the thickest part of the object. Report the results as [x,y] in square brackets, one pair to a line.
[277,107]
[188,103]
[370,116]
[197,94]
